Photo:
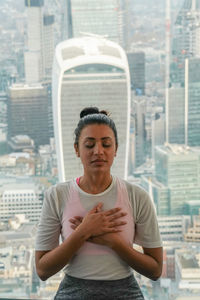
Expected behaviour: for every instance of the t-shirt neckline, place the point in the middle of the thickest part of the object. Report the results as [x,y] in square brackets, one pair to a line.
[95,195]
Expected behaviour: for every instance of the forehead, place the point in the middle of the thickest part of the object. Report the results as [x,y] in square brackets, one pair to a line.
[97,131]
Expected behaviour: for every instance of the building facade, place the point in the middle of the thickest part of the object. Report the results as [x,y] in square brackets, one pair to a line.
[101,17]
[89,71]
[192,103]
[20,199]
[136,62]
[38,56]
[28,113]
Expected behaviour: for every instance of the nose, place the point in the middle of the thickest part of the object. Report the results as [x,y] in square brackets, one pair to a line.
[98,149]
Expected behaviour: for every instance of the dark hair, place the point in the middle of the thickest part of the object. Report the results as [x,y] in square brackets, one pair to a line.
[92,115]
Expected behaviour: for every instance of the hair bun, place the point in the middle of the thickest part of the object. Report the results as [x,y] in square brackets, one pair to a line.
[89,111]
[92,110]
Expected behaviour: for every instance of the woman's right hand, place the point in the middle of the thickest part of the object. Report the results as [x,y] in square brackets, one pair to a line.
[98,222]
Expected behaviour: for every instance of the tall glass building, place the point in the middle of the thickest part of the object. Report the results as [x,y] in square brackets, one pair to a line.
[89,71]
[192,101]
[186,38]
[101,17]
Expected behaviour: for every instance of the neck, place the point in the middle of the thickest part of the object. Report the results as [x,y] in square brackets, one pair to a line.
[95,183]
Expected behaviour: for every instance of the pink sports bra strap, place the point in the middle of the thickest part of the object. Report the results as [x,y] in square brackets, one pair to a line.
[78,180]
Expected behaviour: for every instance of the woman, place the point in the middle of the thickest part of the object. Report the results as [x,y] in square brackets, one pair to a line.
[99,216]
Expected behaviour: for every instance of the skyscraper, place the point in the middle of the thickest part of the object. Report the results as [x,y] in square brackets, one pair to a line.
[28,113]
[100,17]
[186,38]
[89,71]
[38,56]
[48,45]
[176,115]
[136,62]
[33,56]
[192,102]
[176,181]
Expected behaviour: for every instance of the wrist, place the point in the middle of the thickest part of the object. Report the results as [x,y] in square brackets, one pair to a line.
[83,232]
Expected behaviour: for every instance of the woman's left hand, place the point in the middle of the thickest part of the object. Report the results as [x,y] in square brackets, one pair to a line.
[107,239]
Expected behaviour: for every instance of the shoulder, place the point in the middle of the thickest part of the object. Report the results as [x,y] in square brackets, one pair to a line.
[136,191]
[57,195]
[139,199]
[59,188]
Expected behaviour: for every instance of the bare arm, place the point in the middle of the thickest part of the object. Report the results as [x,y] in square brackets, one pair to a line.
[148,263]
[50,262]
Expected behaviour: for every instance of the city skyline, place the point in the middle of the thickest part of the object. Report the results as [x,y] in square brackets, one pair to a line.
[155,70]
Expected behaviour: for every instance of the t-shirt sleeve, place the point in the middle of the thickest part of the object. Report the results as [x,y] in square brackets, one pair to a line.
[49,226]
[146,226]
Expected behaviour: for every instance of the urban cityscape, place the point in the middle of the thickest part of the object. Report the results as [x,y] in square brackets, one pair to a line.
[139,60]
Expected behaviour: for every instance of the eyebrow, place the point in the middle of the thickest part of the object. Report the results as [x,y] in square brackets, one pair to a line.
[103,138]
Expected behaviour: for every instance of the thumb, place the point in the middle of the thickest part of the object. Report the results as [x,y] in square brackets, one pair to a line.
[97,208]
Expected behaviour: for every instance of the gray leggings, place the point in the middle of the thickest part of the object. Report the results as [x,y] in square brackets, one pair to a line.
[72,288]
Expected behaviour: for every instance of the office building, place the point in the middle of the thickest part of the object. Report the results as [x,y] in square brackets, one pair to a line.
[176,178]
[176,115]
[28,113]
[89,71]
[139,133]
[158,131]
[192,103]
[38,56]
[136,62]
[173,228]
[20,198]
[193,233]
[34,68]
[187,270]
[48,45]
[186,39]
[100,17]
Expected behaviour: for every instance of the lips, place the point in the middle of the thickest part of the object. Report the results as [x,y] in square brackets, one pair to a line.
[98,161]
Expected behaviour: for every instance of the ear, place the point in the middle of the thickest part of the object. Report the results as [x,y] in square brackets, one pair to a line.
[76,150]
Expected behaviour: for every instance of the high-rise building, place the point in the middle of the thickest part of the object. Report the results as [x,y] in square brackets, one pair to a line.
[89,71]
[192,102]
[158,131]
[186,38]
[48,45]
[176,181]
[136,62]
[28,113]
[33,56]
[176,115]
[38,56]
[139,132]
[100,17]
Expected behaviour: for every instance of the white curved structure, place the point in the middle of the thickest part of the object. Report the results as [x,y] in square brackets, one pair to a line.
[89,71]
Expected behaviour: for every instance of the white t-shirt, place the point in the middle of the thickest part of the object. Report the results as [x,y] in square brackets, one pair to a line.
[95,261]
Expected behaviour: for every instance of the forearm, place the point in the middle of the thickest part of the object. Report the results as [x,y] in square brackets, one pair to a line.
[53,261]
[140,262]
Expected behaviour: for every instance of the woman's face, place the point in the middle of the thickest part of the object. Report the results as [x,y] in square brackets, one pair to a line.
[96,148]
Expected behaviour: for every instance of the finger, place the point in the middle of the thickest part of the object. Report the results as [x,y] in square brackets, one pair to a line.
[72,221]
[117,216]
[117,223]
[112,230]
[96,208]
[112,211]
[73,226]
[79,218]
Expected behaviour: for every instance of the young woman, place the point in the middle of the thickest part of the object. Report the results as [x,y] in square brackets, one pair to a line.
[99,217]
